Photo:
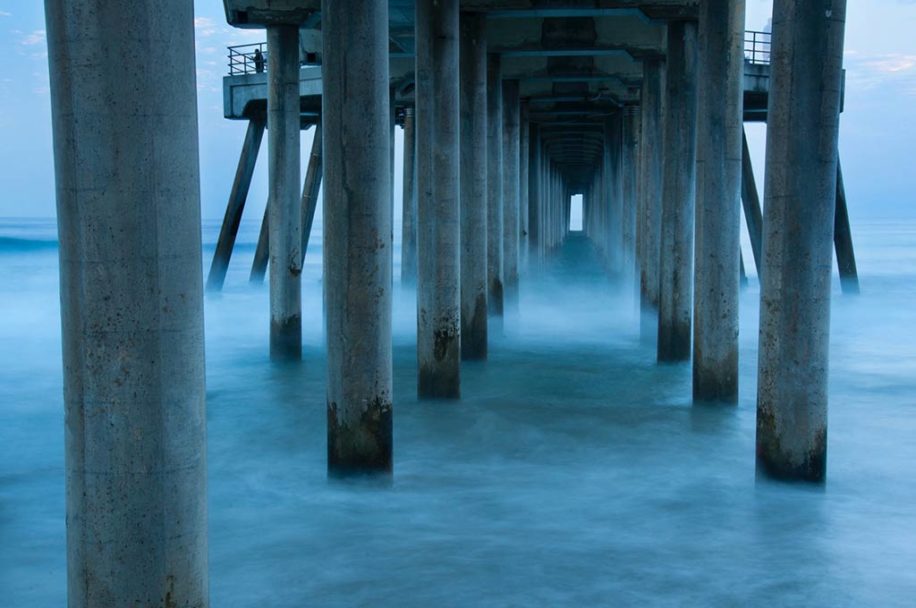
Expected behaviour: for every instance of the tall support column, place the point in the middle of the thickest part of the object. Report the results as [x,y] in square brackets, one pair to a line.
[650,177]
[800,199]
[630,167]
[678,195]
[409,203]
[284,207]
[473,92]
[523,170]
[237,198]
[357,225]
[495,192]
[438,233]
[720,126]
[535,191]
[128,211]
[510,192]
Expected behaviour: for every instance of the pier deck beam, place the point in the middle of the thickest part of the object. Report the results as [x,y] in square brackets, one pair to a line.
[800,200]
[128,210]
[718,201]
[511,160]
[438,175]
[495,193]
[284,206]
[678,195]
[357,232]
[473,92]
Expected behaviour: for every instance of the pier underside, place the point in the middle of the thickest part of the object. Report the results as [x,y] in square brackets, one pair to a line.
[638,107]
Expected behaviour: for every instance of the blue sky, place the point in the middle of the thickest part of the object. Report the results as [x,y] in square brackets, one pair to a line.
[877,135]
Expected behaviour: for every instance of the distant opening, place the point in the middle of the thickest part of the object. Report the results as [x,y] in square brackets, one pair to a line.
[575,213]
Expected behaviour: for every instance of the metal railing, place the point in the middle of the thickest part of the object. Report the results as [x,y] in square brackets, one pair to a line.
[757,47]
[252,59]
[248,59]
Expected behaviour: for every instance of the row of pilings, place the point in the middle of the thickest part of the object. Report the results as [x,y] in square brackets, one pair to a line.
[663,206]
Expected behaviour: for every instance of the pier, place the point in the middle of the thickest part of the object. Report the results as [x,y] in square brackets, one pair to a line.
[509,109]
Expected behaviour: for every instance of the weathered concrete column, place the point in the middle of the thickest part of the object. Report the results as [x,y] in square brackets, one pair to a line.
[650,177]
[524,147]
[511,161]
[473,92]
[495,192]
[128,211]
[630,166]
[720,125]
[678,194]
[535,192]
[800,198]
[438,230]
[409,203]
[357,225]
[284,208]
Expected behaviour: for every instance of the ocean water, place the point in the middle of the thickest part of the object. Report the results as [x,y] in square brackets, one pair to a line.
[574,471]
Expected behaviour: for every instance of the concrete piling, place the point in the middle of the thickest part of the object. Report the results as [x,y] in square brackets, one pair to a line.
[237,198]
[535,192]
[799,209]
[750,201]
[523,170]
[310,189]
[842,239]
[357,228]
[128,210]
[438,229]
[511,161]
[720,93]
[284,205]
[495,193]
[473,92]
[650,197]
[629,162]
[409,203]
[678,195]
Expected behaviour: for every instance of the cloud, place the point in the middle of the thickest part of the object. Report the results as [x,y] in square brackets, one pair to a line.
[33,38]
[873,70]
[5,14]
[204,27]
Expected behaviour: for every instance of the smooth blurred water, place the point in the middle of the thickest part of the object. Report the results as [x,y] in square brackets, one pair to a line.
[574,471]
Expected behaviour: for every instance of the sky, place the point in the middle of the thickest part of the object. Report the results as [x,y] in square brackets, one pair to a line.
[877,132]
